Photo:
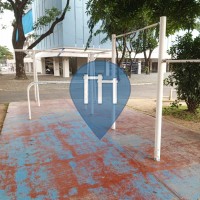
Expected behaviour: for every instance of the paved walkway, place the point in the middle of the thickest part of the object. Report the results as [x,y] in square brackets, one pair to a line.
[56,156]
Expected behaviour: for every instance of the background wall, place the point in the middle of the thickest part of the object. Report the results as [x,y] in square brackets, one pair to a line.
[55,40]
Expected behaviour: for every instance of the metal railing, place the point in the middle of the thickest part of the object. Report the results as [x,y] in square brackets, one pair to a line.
[38,96]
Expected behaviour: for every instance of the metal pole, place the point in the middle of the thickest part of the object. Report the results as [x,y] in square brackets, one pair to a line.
[41,83]
[114,90]
[114,62]
[183,61]
[28,98]
[161,65]
[34,75]
[85,89]
[129,33]
[36,87]
[100,77]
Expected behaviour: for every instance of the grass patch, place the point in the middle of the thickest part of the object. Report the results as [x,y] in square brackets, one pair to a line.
[3,111]
[181,112]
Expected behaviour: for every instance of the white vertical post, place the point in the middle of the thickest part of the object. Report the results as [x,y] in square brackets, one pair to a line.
[114,48]
[56,66]
[158,125]
[171,94]
[85,88]
[65,67]
[100,77]
[43,66]
[139,67]
[114,62]
[114,90]
[35,76]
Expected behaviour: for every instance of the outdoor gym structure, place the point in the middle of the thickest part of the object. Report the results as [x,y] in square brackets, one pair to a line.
[161,65]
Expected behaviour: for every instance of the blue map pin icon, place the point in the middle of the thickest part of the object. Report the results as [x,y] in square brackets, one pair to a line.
[100,91]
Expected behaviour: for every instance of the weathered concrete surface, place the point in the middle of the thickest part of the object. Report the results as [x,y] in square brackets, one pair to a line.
[56,156]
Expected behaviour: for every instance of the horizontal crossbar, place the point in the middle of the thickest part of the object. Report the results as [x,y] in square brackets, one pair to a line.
[183,61]
[129,33]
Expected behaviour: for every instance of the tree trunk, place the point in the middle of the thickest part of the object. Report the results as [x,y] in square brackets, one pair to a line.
[147,65]
[192,105]
[20,70]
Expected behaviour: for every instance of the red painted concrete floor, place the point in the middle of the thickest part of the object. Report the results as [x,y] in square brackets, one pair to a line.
[56,156]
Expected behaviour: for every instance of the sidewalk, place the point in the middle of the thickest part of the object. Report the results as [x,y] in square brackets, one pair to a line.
[56,156]
[11,90]
[7,82]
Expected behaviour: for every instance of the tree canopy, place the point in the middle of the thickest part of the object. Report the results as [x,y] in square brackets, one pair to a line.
[120,16]
[5,53]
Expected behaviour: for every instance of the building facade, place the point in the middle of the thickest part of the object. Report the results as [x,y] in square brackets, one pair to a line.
[63,51]
[68,39]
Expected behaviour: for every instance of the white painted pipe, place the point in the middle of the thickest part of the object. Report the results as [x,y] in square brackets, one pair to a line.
[85,89]
[161,65]
[114,90]
[129,33]
[182,61]
[100,77]
[34,75]
[114,62]
[40,83]
[28,98]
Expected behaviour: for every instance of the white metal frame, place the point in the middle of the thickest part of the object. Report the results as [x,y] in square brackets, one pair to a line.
[36,83]
[100,81]
[160,78]
[161,65]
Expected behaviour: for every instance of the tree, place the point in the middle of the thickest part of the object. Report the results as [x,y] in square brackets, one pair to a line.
[120,16]
[186,76]
[5,54]
[52,17]
[197,27]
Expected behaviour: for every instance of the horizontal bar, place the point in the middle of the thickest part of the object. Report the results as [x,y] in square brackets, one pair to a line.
[51,82]
[102,52]
[129,33]
[182,61]
[92,77]
[89,51]
[107,81]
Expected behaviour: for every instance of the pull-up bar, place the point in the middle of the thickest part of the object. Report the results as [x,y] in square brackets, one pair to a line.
[129,33]
[182,61]
[161,65]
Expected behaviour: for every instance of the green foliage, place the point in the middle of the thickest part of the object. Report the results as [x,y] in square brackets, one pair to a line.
[52,17]
[5,53]
[120,16]
[186,76]
[49,17]
[181,15]
[181,112]
[197,26]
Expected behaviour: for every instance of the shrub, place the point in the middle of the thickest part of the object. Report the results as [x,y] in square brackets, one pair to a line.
[186,76]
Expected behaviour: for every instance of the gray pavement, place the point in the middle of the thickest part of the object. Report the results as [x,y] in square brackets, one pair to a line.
[11,90]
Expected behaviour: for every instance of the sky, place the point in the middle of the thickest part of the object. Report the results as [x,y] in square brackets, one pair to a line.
[6,34]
